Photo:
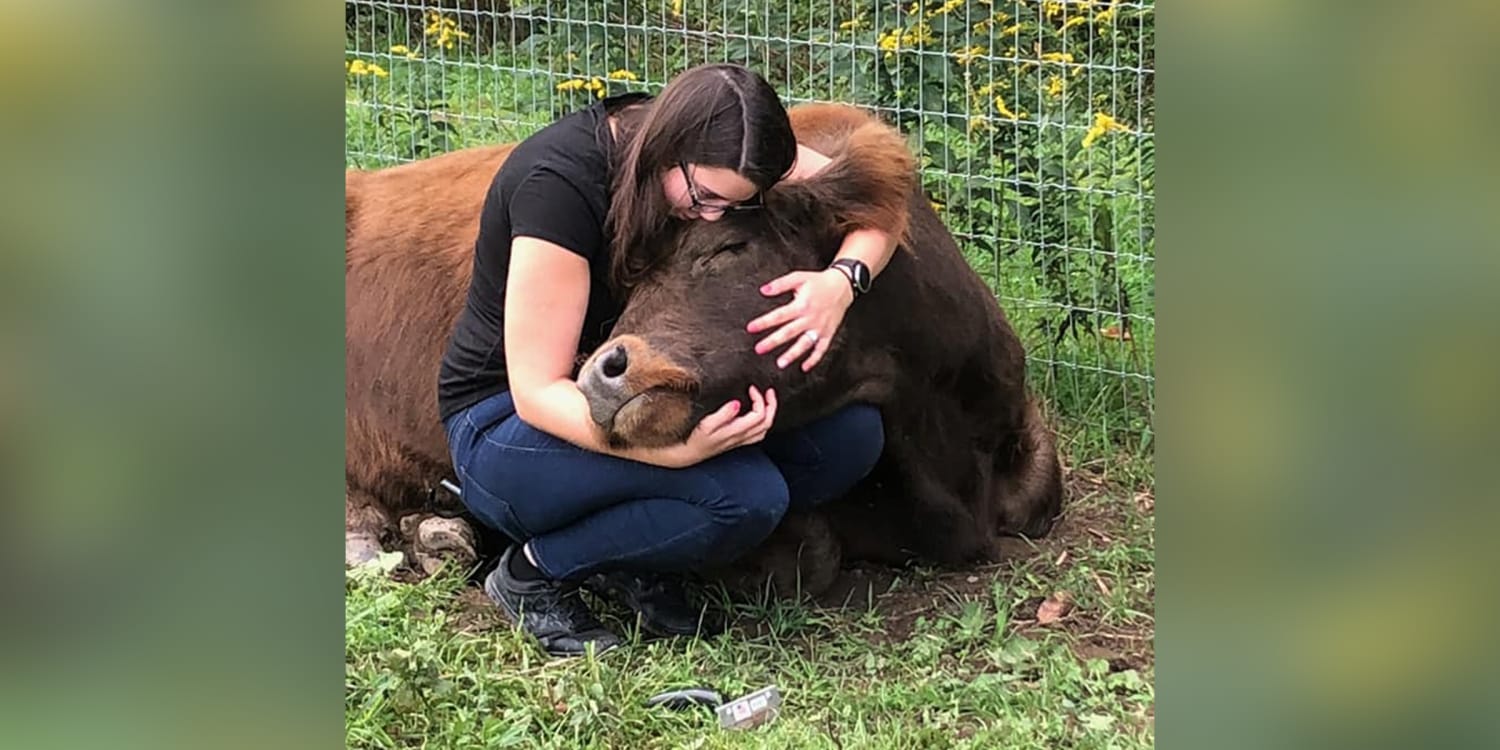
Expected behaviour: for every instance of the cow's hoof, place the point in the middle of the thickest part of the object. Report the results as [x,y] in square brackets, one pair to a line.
[360,548]
[439,541]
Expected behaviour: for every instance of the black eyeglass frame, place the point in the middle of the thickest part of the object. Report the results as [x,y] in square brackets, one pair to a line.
[755,202]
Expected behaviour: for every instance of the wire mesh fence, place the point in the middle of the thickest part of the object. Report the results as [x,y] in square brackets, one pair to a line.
[1034,121]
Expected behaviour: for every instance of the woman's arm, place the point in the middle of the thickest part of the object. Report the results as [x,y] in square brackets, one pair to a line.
[546,300]
[821,297]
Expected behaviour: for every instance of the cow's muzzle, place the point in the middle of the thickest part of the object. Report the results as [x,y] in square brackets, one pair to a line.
[638,395]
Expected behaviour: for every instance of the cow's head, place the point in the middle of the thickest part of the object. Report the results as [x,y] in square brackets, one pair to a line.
[681,350]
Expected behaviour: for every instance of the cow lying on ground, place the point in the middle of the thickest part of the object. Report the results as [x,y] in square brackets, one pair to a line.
[968,456]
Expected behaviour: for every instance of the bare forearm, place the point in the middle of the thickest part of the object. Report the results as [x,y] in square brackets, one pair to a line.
[873,247]
[559,409]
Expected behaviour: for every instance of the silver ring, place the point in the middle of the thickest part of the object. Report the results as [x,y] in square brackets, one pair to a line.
[811,336]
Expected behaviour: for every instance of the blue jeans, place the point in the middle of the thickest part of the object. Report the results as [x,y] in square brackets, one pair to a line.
[586,512]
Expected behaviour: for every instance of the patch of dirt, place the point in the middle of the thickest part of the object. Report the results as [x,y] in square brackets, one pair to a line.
[473,612]
[931,593]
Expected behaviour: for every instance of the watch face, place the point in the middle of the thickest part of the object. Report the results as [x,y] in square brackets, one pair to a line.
[859,274]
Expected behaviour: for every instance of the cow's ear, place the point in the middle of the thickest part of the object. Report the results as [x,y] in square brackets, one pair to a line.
[870,182]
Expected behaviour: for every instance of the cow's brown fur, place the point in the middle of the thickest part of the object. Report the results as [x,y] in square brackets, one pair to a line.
[878,197]
[409,242]
[967,456]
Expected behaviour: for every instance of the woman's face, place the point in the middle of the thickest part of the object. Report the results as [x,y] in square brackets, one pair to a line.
[697,192]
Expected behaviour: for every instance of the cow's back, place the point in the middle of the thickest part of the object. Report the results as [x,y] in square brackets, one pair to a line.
[409,242]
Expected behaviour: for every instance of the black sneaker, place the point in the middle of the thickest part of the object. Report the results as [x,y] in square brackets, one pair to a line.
[659,600]
[552,611]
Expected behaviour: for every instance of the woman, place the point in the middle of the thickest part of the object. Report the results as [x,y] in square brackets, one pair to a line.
[563,235]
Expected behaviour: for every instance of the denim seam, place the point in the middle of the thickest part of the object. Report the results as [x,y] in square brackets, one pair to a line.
[523,449]
[508,508]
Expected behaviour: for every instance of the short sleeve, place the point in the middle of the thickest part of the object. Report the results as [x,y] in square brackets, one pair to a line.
[549,207]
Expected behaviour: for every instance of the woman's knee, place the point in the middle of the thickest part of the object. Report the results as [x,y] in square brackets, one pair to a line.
[754,500]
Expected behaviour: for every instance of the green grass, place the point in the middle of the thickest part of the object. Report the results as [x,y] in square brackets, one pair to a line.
[928,659]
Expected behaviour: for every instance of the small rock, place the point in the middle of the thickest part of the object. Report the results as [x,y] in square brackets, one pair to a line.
[1054,608]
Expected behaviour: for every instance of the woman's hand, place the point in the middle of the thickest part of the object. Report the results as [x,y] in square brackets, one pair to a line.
[809,321]
[721,431]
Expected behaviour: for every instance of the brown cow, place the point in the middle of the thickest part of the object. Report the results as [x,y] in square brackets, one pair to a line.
[968,456]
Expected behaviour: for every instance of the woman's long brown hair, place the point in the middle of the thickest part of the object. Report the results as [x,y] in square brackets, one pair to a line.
[716,115]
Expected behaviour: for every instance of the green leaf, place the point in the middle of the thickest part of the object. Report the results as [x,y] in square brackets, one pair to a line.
[938,152]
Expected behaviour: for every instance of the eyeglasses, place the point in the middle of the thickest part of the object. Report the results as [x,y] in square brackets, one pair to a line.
[710,209]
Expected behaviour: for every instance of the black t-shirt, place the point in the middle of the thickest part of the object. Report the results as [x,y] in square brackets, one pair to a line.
[553,186]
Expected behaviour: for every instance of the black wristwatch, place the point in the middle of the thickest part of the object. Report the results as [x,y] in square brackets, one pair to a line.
[858,273]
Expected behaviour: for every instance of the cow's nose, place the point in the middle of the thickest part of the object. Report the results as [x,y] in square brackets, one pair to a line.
[614,363]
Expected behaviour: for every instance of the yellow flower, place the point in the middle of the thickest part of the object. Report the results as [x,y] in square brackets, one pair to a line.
[1071,22]
[897,38]
[936,206]
[915,8]
[677,8]
[947,7]
[572,84]
[854,24]
[1055,86]
[399,49]
[362,68]
[966,56]
[1107,15]
[1052,8]
[445,29]
[1062,57]
[1004,110]
[1008,30]
[623,75]
[1103,124]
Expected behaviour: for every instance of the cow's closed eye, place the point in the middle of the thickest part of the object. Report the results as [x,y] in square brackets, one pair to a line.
[731,248]
[721,253]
